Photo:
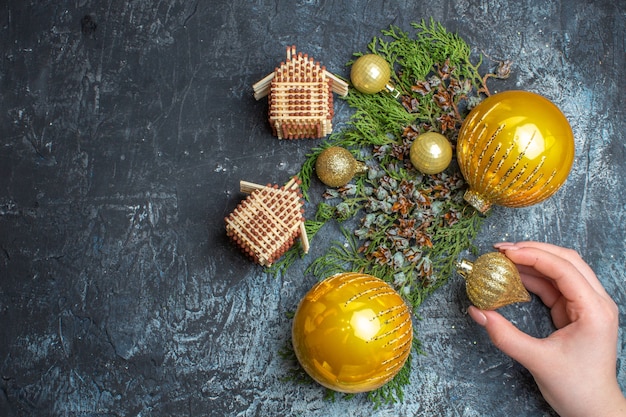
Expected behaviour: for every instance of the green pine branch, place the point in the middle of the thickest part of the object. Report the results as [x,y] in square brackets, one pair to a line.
[438,85]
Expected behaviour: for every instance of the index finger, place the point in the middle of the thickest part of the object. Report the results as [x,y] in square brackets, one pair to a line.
[570,255]
[567,277]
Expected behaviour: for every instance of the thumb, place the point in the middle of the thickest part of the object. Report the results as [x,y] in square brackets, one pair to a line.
[509,339]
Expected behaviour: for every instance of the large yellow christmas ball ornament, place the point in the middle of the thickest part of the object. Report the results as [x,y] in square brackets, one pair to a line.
[370,74]
[431,153]
[515,149]
[352,332]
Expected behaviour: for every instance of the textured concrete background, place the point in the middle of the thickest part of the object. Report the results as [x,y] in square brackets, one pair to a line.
[121,151]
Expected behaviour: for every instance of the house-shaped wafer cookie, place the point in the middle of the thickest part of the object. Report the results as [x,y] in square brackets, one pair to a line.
[300,94]
[268,222]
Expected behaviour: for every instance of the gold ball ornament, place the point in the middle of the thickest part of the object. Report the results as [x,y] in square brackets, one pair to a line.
[335,166]
[431,153]
[371,74]
[352,332]
[515,149]
[492,281]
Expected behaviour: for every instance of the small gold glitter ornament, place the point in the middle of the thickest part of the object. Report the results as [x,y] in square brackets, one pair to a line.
[515,149]
[352,332]
[431,153]
[371,74]
[492,281]
[335,166]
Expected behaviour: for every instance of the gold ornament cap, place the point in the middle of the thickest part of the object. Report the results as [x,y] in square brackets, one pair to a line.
[492,281]
[478,201]
[335,166]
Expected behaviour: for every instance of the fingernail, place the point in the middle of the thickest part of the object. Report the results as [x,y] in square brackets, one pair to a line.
[505,246]
[477,315]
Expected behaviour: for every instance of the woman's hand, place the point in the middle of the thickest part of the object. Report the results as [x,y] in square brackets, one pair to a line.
[574,367]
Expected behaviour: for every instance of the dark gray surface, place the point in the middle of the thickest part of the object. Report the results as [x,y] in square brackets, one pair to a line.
[121,150]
